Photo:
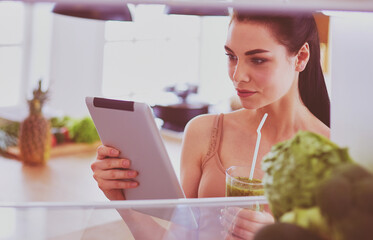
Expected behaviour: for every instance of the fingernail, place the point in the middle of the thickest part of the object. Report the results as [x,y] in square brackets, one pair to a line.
[114,152]
[125,163]
[132,174]
[134,184]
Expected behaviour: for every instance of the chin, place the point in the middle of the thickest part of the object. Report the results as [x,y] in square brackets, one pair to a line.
[249,105]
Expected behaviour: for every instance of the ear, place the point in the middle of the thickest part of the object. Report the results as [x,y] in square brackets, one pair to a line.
[302,57]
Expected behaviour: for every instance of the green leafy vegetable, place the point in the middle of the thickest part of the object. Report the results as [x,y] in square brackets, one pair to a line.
[345,200]
[59,122]
[9,134]
[83,131]
[295,168]
[311,182]
[285,231]
[80,130]
[308,218]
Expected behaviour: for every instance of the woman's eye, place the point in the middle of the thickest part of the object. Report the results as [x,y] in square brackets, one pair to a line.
[231,56]
[258,60]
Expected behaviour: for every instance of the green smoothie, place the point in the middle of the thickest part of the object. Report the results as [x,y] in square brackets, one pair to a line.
[243,186]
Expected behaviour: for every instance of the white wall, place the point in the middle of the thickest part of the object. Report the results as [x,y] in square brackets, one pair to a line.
[76,63]
[39,25]
[215,85]
[352,84]
[77,57]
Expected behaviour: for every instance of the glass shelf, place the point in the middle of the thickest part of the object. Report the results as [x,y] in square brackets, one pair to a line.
[178,218]
[276,5]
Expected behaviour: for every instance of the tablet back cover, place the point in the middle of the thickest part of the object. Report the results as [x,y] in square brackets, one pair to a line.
[130,127]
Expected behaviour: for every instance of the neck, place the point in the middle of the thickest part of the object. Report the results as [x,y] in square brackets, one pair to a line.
[286,116]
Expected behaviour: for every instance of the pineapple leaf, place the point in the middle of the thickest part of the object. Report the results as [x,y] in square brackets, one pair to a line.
[38,100]
[39,94]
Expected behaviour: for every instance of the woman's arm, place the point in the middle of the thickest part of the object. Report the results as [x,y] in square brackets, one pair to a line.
[195,145]
[113,175]
[142,226]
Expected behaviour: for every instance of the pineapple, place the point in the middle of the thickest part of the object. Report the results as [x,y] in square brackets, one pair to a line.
[35,132]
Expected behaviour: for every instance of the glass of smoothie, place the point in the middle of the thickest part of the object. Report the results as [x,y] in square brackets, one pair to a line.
[238,183]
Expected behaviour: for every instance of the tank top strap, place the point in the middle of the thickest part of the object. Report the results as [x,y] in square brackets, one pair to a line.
[215,136]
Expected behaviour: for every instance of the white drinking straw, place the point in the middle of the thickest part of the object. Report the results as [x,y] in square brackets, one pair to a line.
[257,145]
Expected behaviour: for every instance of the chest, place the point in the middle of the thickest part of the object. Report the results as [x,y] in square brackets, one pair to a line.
[239,150]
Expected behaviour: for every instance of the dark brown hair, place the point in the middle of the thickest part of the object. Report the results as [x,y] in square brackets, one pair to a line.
[293,31]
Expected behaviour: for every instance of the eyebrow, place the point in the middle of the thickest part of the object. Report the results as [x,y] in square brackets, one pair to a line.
[251,52]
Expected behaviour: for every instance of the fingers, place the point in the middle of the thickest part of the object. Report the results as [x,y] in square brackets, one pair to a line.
[105,151]
[106,185]
[110,163]
[238,227]
[229,236]
[108,174]
[113,179]
[116,174]
[251,215]
[113,174]
[243,223]
[238,234]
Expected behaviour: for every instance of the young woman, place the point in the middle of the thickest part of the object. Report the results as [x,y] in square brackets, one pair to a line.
[274,64]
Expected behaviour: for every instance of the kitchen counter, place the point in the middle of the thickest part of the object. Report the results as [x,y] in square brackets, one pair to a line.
[62,179]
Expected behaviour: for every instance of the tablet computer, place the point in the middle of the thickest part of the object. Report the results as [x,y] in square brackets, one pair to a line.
[130,127]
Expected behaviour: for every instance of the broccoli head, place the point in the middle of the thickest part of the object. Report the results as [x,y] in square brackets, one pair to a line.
[285,231]
[346,202]
[294,169]
[308,218]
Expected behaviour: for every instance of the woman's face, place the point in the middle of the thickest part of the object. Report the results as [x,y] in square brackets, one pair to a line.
[261,69]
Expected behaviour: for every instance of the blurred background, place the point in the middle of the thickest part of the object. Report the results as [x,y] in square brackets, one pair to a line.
[137,58]
[172,58]
[169,56]
[77,56]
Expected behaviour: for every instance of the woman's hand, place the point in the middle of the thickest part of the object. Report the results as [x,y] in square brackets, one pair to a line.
[113,174]
[241,223]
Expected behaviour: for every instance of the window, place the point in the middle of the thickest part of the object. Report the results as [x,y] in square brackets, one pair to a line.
[141,57]
[11,57]
[156,50]
[151,52]
[24,49]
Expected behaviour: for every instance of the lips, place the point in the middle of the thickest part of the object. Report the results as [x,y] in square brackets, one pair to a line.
[244,93]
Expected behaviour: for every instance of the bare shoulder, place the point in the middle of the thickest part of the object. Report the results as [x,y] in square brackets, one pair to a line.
[197,133]
[201,125]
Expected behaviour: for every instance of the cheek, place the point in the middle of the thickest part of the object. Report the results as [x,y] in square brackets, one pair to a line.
[264,78]
[277,83]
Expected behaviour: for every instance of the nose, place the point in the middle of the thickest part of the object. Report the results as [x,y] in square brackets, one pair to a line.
[241,73]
